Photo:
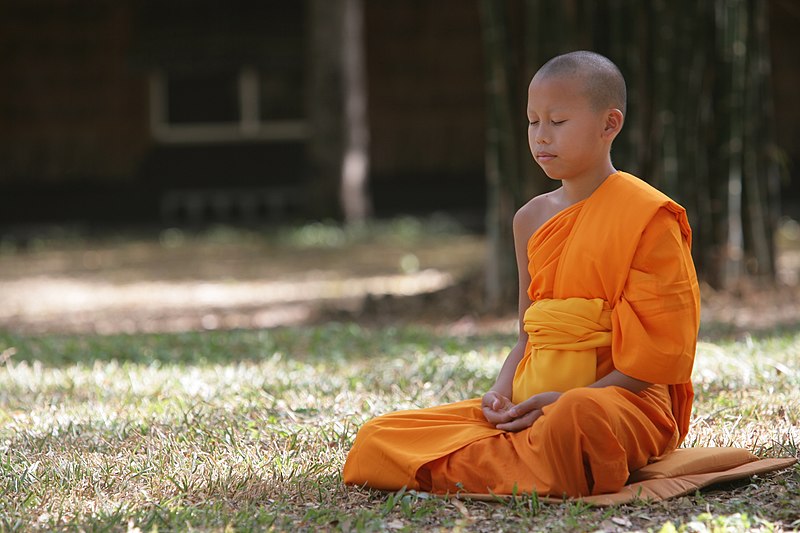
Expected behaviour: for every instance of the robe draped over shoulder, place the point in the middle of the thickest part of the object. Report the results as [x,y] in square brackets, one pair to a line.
[631,246]
[613,287]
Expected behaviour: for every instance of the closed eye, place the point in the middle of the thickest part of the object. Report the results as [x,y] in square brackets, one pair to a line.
[558,122]
[533,122]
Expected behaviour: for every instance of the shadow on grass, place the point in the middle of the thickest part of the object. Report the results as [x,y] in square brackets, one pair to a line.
[318,343]
[342,337]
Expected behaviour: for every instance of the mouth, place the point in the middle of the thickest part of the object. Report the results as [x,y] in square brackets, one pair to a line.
[544,157]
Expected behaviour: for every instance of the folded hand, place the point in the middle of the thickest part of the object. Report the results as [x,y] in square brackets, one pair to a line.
[495,408]
[524,414]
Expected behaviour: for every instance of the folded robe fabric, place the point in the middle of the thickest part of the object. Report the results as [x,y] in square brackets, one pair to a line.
[564,336]
[628,247]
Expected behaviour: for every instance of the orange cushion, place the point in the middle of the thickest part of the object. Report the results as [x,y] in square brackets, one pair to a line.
[684,461]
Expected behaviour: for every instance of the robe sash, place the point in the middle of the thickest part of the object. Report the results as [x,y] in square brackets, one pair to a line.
[564,335]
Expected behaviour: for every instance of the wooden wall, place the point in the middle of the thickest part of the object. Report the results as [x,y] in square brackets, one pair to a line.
[426,103]
[71,108]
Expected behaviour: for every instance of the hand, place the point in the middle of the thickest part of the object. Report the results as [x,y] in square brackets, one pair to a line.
[495,408]
[526,413]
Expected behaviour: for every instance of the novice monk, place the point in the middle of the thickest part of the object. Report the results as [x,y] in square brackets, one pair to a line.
[598,382]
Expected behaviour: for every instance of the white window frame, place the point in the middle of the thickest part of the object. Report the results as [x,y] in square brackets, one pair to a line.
[249,127]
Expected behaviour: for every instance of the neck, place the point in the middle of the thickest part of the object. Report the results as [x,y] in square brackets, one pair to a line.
[580,188]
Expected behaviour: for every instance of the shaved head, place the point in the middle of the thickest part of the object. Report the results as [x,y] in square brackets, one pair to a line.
[601,79]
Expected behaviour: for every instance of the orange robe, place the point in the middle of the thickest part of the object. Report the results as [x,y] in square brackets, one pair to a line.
[621,259]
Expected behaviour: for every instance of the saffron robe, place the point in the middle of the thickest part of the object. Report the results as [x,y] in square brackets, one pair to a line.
[627,247]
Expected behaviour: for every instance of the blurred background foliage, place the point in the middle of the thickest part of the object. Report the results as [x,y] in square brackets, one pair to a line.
[701,124]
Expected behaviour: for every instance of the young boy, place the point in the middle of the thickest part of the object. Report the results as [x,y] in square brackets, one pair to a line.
[598,382]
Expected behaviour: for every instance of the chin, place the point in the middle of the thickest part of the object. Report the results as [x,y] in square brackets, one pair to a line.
[552,176]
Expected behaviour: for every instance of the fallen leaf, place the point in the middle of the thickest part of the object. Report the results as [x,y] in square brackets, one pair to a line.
[461,507]
[621,521]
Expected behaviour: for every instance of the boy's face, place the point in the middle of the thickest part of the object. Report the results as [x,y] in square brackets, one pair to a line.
[565,133]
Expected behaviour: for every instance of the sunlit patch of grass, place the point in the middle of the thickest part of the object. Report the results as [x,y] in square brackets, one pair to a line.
[249,430]
[747,394]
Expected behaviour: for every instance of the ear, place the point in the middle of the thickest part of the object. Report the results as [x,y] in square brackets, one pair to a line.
[613,124]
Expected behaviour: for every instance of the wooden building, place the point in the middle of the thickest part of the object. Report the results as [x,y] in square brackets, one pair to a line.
[182,111]
[194,110]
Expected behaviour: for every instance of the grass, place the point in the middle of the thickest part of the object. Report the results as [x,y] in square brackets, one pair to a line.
[248,430]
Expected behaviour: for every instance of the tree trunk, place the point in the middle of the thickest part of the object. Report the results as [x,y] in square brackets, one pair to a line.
[502,171]
[337,105]
[325,105]
[355,165]
[761,210]
[731,17]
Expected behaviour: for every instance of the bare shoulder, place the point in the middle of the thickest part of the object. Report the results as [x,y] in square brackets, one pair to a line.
[536,212]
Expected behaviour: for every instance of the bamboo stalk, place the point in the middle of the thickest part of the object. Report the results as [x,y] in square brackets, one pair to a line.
[501,157]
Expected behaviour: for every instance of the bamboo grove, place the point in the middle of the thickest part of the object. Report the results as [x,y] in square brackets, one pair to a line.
[699,121]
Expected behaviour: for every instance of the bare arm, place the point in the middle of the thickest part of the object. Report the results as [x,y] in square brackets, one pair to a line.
[505,379]
[615,378]
[497,401]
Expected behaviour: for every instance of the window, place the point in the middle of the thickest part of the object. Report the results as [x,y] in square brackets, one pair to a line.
[232,106]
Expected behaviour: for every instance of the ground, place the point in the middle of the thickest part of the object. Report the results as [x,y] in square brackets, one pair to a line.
[222,278]
[214,380]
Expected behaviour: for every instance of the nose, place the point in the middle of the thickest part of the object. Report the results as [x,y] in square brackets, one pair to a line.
[540,134]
